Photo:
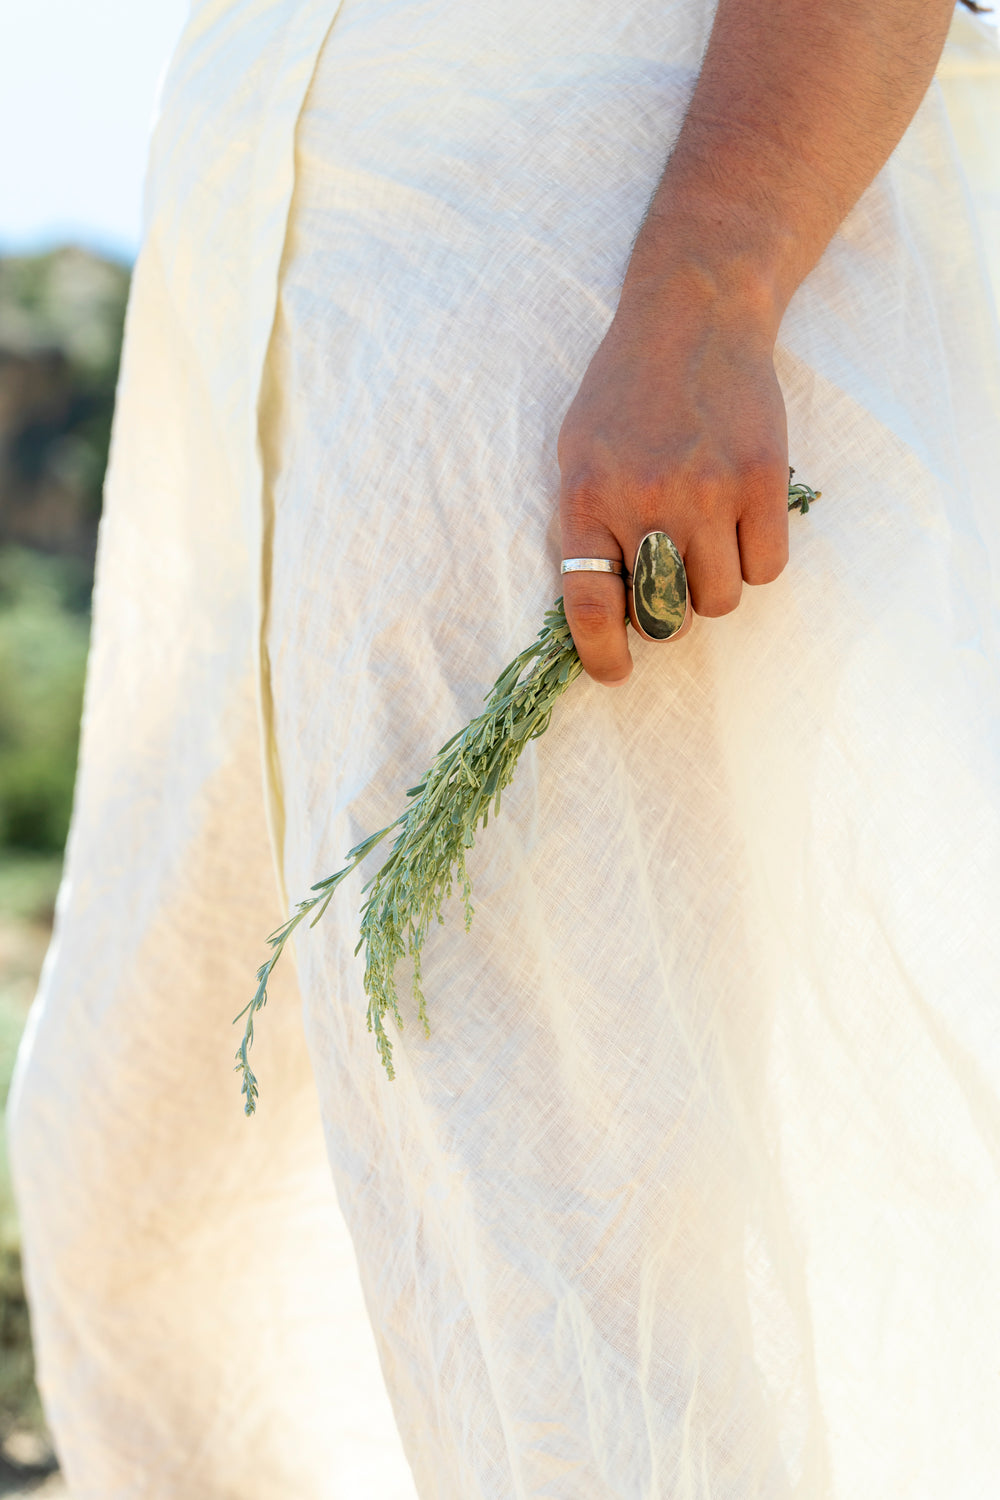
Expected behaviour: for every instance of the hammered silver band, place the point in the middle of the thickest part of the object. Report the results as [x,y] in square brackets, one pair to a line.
[591,565]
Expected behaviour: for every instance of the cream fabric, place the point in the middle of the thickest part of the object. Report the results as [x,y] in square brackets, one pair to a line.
[692,1194]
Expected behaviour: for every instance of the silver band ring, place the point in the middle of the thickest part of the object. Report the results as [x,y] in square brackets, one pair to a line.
[591,565]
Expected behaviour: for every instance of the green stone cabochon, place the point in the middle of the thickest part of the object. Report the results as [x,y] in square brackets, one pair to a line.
[659,587]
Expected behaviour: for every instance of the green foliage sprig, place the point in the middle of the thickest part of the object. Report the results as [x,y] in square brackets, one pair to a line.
[427,861]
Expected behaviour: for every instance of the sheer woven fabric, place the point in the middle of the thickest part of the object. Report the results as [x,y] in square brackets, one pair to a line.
[692,1191]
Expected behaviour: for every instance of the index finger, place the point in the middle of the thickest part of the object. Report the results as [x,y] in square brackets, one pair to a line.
[595,605]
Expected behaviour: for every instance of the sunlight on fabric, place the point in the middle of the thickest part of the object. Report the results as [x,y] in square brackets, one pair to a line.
[970,78]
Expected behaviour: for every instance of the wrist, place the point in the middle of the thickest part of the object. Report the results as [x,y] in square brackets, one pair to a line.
[679,270]
[748,246]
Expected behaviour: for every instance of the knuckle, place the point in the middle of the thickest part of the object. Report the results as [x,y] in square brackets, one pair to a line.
[593,616]
[705,495]
[581,493]
[763,481]
[646,491]
[765,569]
[710,482]
[720,601]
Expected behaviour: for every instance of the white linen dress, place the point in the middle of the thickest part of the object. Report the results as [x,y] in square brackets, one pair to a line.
[692,1193]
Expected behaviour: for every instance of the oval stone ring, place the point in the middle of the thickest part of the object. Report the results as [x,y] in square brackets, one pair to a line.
[659,603]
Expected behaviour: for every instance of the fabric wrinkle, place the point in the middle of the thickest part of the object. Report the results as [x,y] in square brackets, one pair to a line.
[691,1193]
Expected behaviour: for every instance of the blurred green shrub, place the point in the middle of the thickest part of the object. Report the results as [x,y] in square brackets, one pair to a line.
[20,1407]
[61,320]
[27,892]
[44,623]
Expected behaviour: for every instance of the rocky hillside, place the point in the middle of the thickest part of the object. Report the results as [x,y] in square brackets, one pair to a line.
[61,319]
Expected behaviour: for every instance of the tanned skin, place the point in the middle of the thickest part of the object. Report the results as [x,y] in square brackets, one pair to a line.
[679,423]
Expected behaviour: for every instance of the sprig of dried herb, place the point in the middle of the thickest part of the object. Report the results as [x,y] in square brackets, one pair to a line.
[427,861]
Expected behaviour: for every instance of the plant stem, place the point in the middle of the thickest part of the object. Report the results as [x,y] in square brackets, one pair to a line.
[427,859]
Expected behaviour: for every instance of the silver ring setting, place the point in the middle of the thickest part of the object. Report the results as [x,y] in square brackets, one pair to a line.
[591,565]
[659,601]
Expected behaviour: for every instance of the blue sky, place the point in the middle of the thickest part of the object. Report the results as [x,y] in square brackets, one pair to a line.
[78,83]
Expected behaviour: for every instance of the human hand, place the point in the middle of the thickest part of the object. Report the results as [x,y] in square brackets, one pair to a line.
[678,426]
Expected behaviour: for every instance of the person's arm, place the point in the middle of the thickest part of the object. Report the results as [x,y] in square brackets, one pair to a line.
[679,424]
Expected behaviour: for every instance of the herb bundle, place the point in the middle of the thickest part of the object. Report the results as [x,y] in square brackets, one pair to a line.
[427,860]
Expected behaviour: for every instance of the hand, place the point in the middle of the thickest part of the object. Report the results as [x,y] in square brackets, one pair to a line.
[678,426]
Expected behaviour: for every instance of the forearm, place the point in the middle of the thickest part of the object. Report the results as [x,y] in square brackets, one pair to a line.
[679,423]
[797,108]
